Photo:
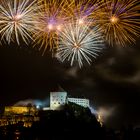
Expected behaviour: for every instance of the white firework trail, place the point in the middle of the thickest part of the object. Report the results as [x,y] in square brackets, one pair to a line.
[16,20]
[79,42]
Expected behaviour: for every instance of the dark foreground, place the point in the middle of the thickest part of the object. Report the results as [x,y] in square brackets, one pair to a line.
[71,123]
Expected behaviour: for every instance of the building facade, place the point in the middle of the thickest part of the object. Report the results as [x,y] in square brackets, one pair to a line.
[18,114]
[57,99]
[17,110]
[79,101]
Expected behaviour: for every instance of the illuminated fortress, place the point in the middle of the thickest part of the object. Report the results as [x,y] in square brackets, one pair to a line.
[58,99]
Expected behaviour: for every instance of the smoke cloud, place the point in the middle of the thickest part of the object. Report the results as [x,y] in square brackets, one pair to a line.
[33,102]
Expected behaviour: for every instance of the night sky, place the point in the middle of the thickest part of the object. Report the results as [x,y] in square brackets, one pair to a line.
[112,82]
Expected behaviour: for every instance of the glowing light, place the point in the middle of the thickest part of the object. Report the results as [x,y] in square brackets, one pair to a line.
[50,27]
[76,46]
[37,106]
[59,27]
[17,17]
[81,21]
[114,19]
[99,119]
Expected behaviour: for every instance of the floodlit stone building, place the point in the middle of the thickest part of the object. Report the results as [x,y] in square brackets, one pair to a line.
[58,99]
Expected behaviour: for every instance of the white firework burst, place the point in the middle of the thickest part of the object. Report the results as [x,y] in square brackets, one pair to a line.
[79,43]
[16,19]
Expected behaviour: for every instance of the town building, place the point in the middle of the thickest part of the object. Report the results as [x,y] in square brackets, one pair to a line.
[17,114]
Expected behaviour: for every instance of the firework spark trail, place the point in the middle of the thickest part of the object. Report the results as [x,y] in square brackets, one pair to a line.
[78,43]
[120,21]
[83,10]
[16,20]
[49,22]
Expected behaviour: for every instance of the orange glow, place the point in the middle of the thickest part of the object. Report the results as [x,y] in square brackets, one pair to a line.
[81,21]
[76,45]
[59,27]
[114,19]
[17,17]
[50,27]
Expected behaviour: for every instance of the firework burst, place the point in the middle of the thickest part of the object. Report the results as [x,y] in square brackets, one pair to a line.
[86,10]
[121,21]
[50,18]
[16,20]
[78,43]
